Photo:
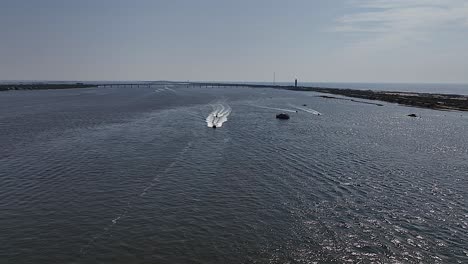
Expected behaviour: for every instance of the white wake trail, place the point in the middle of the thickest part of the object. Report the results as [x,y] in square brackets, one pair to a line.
[274,108]
[308,110]
[219,115]
[106,229]
[169,89]
[165,89]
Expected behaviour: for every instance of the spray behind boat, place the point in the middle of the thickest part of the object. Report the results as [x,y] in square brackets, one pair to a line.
[219,115]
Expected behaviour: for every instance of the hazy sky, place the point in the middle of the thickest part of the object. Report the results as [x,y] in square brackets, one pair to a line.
[315,40]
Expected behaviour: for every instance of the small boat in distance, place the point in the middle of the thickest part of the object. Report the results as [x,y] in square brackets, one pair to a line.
[282,116]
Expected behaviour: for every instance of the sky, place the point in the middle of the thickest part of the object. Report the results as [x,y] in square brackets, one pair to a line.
[394,41]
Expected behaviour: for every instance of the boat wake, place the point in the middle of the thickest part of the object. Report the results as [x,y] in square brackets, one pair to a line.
[219,115]
[308,110]
[274,108]
[130,203]
[169,89]
[165,89]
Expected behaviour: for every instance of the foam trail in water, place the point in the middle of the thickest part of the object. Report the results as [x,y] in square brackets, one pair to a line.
[166,88]
[219,115]
[196,116]
[308,110]
[169,89]
[91,242]
[274,108]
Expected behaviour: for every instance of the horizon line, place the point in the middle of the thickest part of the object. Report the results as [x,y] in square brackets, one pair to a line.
[236,81]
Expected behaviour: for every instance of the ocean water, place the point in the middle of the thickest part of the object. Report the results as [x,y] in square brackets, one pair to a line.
[138,175]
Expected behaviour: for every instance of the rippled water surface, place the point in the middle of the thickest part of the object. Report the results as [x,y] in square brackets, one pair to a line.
[137,175]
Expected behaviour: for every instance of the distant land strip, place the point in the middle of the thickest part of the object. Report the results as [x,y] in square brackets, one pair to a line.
[69,85]
[43,86]
[423,100]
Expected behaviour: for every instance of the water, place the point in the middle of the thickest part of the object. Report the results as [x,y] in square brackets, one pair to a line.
[135,175]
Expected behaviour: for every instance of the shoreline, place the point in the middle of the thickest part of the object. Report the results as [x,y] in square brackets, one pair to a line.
[422,100]
[448,102]
[44,86]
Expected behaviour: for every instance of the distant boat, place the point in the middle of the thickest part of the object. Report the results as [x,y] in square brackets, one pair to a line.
[282,116]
